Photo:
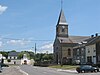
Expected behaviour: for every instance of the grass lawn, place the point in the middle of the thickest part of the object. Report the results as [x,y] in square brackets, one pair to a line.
[64,66]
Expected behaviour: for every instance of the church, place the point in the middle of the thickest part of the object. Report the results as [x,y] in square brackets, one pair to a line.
[64,43]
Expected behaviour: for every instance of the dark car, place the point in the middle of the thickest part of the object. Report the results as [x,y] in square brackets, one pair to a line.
[87,68]
[4,65]
[0,69]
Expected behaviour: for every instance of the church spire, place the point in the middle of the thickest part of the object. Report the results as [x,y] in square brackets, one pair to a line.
[62,25]
[62,19]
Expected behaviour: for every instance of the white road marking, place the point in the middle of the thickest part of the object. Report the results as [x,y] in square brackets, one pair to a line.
[22,71]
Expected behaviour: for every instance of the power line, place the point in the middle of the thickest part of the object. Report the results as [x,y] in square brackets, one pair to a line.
[26,39]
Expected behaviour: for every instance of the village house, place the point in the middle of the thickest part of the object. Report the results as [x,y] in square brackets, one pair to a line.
[13,57]
[93,50]
[88,52]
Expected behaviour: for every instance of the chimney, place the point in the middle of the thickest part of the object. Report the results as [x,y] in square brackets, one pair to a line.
[96,34]
[92,36]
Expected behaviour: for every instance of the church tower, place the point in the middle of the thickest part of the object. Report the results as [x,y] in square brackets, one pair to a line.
[62,26]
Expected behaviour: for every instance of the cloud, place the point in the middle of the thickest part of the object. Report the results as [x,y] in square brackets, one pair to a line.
[47,48]
[18,42]
[2,9]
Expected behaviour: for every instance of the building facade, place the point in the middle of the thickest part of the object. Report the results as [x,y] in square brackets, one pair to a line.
[64,43]
[79,54]
[93,50]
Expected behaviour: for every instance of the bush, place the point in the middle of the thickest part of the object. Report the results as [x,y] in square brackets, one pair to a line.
[9,60]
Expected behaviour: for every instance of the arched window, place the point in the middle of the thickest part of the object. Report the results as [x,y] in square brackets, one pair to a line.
[69,52]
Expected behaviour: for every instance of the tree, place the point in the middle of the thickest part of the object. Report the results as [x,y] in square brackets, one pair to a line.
[5,54]
[13,51]
[20,55]
[31,55]
[46,57]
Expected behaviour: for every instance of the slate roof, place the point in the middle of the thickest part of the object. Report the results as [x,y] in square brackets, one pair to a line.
[73,39]
[13,53]
[62,19]
[93,40]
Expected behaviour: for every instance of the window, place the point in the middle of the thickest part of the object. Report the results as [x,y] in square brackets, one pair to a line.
[77,51]
[88,51]
[69,52]
[10,57]
[94,50]
[89,59]
[14,57]
[82,50]
[82,57]
[63,29]
[57,48]
[77,57]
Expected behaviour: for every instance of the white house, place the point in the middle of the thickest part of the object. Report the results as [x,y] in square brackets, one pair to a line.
[26,61]
[91,54]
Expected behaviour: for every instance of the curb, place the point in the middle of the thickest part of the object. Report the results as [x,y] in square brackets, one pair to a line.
[72,71]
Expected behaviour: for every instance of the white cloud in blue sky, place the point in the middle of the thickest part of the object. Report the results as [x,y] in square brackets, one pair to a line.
[47,47]
[18,42]
[2,9]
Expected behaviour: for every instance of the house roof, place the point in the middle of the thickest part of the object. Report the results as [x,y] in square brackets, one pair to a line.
[13,53]
[93,40]
[62,19]
[72,39]
[90,41]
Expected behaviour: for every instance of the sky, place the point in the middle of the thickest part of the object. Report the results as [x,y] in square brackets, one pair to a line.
[26,22]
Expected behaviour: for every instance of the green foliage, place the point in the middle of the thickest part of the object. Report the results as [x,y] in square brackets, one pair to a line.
[20,55]
[31,55]
[13,51]
[9,60]
[43,57]
[5,54]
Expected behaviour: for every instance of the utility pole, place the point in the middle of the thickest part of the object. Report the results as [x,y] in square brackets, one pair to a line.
[35,53]
[35,48]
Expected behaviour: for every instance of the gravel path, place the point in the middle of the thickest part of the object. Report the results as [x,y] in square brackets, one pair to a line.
[13,70]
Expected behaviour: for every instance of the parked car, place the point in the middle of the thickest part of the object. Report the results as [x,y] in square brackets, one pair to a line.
[87,68]
[4,65]
[0,69]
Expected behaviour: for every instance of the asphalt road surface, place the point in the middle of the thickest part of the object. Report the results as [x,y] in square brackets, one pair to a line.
[32,70]
[13,70]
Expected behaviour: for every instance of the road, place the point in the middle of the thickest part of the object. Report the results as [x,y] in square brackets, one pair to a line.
[12,70]
[32,70]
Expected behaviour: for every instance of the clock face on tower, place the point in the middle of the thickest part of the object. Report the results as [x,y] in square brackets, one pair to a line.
[63,28]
